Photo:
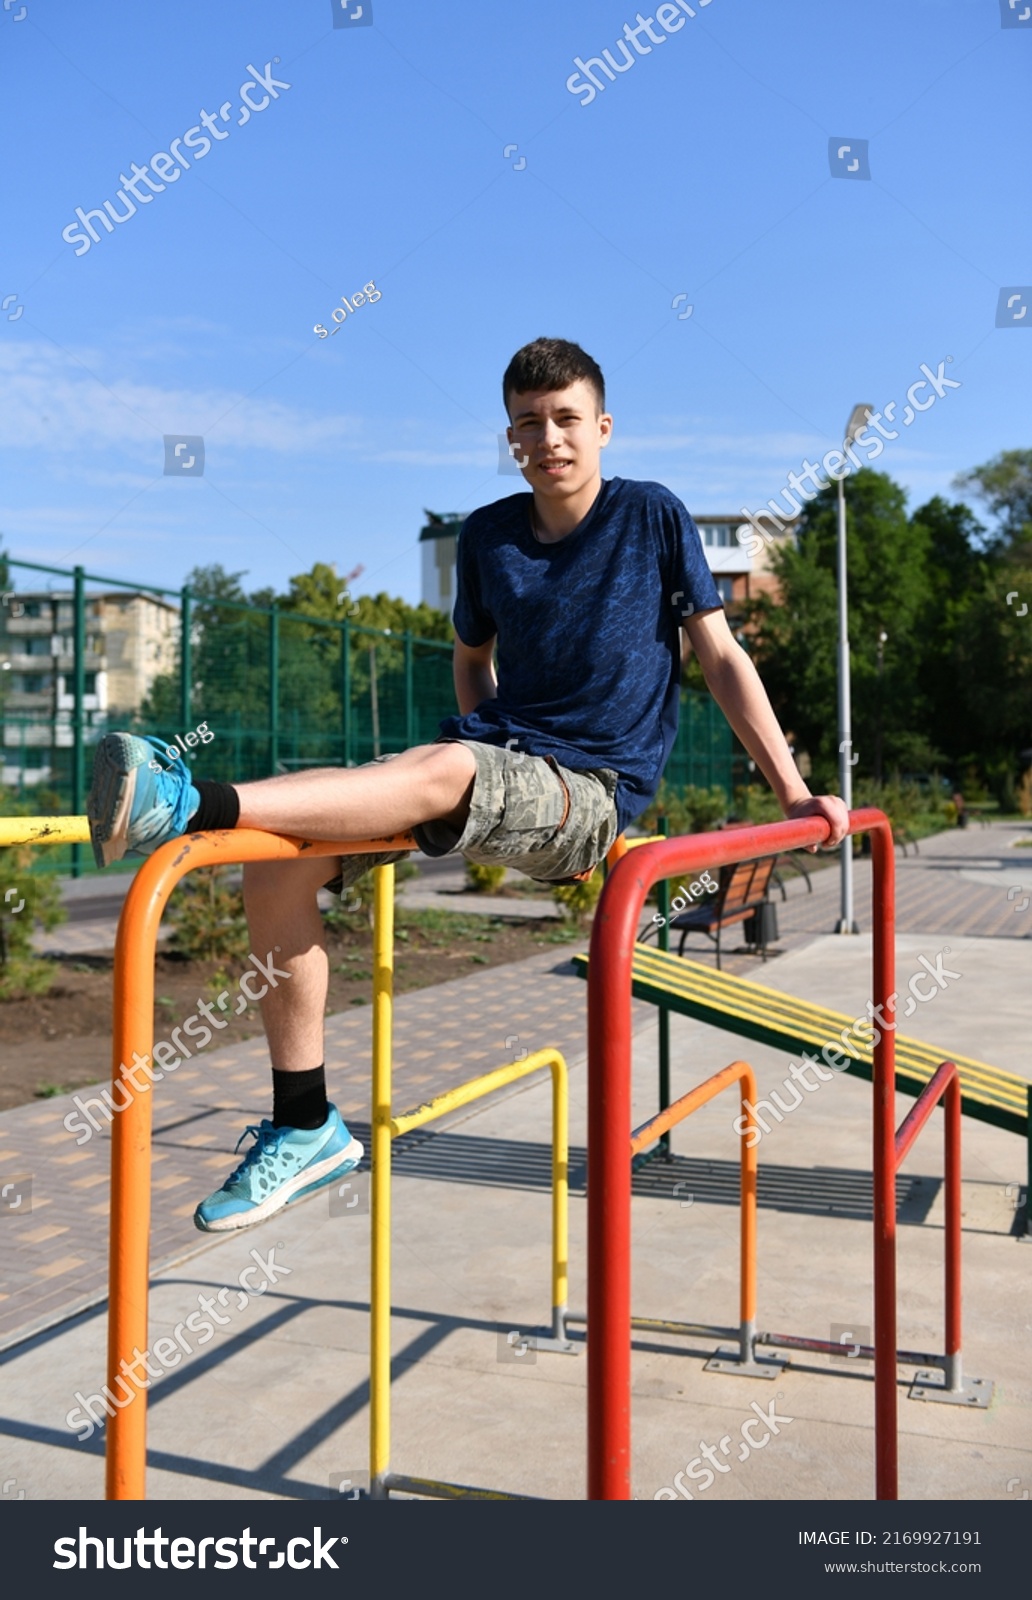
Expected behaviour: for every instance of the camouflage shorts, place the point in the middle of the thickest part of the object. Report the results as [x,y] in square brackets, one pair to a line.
[526,812]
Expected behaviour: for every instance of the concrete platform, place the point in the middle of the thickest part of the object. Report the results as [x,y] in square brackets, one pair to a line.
[275,1404]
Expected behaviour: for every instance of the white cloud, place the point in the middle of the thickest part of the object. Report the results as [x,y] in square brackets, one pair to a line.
[54,399]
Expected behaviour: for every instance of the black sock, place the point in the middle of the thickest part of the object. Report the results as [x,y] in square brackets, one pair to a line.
[299,1099]
[219,807]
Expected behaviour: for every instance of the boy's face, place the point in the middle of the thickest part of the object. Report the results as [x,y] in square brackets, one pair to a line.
[559,435]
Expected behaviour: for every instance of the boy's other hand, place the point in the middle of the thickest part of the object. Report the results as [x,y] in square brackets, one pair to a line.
[832,809]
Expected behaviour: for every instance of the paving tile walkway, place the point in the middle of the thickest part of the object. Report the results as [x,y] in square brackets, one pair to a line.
[54,1255]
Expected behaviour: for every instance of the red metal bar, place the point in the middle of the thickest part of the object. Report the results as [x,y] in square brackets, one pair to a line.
[609,1106]
[953,1222]
[886,1444]
[923,1106]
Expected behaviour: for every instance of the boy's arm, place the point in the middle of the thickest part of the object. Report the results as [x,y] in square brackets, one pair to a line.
[735,685]
[474,674]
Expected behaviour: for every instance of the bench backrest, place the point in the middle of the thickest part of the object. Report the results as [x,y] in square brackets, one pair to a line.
[745,884]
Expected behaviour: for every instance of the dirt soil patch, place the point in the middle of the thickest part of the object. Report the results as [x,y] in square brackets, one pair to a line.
[55,1042]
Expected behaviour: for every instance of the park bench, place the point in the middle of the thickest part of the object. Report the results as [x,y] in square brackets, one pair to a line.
[785,1022]
[741,897]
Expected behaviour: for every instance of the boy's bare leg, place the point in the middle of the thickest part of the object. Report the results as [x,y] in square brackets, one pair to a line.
[428,782]
[283,916]
[431,781]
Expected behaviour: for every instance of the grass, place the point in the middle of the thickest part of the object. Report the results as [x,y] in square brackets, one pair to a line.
[440,929]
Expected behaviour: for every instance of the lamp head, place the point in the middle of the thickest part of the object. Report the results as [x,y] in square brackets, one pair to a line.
[858,418]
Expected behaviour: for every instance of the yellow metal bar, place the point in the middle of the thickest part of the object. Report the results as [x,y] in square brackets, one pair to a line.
[747,1001]
[438,1489]
[44,830]
[560,1193]
[380,1182]
[475,1089]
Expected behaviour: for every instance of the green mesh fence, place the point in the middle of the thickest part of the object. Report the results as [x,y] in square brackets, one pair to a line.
[255,691]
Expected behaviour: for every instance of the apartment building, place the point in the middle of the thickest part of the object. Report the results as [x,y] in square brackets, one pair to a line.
[130,638]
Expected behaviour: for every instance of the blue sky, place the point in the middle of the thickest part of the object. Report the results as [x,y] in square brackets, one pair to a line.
[702,170]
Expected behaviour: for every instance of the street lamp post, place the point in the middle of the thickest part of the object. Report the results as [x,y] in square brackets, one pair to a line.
[846,924]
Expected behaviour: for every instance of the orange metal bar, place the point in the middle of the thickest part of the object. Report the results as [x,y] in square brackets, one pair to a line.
[617,849]
[945,1086]
[131,1128]
[738,1071]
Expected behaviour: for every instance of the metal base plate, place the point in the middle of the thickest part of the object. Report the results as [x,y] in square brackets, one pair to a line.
[726,1360]
[562,1347]
[976,1393]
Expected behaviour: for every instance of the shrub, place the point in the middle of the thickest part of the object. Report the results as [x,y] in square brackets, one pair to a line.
[360,896]
[756,803]
[26,899]
[481,879]
[577,901]
[692,809]
[206,914]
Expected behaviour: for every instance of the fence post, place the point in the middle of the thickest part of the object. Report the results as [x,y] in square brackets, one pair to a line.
[410,710]
[374,700]
[273,692]
[78,694]
[185,657]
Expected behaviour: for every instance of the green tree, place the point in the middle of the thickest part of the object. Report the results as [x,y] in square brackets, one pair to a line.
[5,578]
[994,676]
[1005,483]
[795,639]
[958,570]
[992,641]
[950,684]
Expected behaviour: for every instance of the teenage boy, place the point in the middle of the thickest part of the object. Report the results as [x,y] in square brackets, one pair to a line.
[582,587]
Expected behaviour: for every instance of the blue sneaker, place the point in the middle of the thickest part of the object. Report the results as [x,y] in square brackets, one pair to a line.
[282,1165]
[133,808]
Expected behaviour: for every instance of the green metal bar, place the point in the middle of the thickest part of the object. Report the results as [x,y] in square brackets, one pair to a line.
[664,1011]
[91,577]
[273,691]
[185,657]
[410,710]
[78,693]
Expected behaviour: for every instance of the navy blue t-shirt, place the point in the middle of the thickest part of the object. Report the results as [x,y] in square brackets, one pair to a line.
[588,629]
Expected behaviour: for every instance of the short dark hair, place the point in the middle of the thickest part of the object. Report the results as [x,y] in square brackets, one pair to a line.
[552,364]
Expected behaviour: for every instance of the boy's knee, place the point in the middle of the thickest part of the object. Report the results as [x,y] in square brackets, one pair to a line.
[261,880]
[451,770]
[286,880]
